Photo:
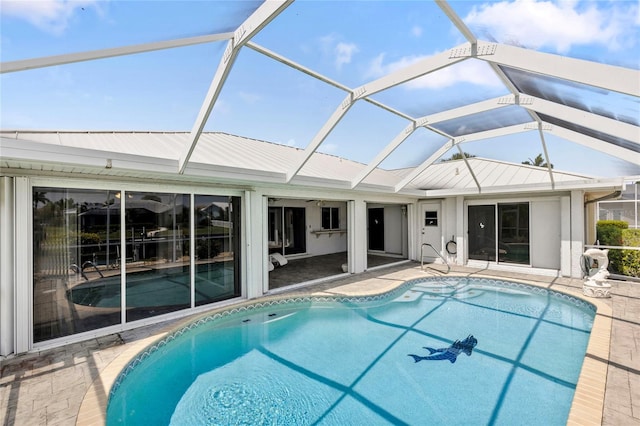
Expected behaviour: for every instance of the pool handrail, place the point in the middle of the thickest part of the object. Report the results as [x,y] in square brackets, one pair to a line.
[436,251]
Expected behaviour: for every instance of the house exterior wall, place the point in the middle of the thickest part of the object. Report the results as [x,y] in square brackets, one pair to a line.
[557,236]
[556,231]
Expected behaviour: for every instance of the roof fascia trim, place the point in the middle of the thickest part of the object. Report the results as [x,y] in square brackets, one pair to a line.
[589,184]
[29,151]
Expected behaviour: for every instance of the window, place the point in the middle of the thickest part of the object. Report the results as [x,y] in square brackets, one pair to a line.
[431,218]
[330,218]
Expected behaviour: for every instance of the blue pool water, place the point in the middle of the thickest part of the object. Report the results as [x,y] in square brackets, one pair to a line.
[347,360]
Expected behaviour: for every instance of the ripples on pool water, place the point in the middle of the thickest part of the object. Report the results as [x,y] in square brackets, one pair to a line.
[315,361]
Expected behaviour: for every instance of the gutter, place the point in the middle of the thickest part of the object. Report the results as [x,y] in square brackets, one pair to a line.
[614,194]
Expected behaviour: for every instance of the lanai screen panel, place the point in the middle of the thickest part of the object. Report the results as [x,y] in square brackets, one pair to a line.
[463,83]
[266,100]
[483,121]
[587,98]
[355,42]
[90,26]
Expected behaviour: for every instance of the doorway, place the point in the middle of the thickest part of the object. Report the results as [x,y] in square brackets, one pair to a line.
[376,229]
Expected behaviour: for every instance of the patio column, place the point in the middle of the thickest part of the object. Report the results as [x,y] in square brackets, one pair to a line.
[357,234]
[577,231]
[23,273]
[7,257]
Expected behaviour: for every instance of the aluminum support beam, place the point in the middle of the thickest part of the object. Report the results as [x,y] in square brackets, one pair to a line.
[597,122]
[455,19]
[250,27]
[546,155]
[617,79]
[401,137]
[422,167]
[328,126]
[596,144]
[49,61]
[466,162]
[469,109]
[418,69]
[495,133]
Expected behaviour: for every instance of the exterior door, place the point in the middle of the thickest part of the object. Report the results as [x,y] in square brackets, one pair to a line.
[482,232]
[376,229]
[431,225]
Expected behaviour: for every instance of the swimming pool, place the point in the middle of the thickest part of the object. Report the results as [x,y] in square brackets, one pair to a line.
[348,360]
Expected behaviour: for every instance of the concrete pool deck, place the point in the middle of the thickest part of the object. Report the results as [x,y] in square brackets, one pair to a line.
[70,385]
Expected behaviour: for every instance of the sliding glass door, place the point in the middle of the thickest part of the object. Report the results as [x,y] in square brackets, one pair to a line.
[93,268]
[499,232]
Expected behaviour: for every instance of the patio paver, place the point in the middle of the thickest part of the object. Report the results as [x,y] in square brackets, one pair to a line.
[49,387]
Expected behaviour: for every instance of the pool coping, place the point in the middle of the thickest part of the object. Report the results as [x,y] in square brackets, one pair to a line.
[588,401]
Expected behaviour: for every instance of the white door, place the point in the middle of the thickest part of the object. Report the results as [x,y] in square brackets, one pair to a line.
[431,226]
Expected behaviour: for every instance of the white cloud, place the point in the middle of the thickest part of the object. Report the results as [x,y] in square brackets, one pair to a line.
[416,31]
[291,142]
[470,71]
[250,98]
[328,148]
[339,51]
[52,16]
[558,25]
[344,52]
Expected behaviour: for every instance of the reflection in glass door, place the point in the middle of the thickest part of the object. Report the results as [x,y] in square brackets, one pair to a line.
[287,230]
[513,232]
[482,232]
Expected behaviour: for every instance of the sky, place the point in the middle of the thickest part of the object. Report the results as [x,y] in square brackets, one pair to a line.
[350,42]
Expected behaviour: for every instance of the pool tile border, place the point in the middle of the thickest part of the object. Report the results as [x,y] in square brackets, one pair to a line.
[586,409]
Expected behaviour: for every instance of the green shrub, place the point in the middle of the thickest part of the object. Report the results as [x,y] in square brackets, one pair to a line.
[630,259]
[609,233]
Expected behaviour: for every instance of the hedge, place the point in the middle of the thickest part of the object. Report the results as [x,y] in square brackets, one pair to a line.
[617,233]
[630,258]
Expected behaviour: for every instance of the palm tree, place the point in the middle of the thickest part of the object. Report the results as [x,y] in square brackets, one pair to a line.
[538,161]
[458,156]
[39,197]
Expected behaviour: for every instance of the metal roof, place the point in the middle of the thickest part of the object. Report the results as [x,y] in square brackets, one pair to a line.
[234,158]
[589,104]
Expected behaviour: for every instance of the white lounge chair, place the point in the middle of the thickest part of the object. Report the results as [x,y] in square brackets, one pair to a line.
[277,258]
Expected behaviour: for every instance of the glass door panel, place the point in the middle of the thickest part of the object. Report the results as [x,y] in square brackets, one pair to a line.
[295,240]
[482,232]
[513,232]
[76,273]
[217,238]
[157,253]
